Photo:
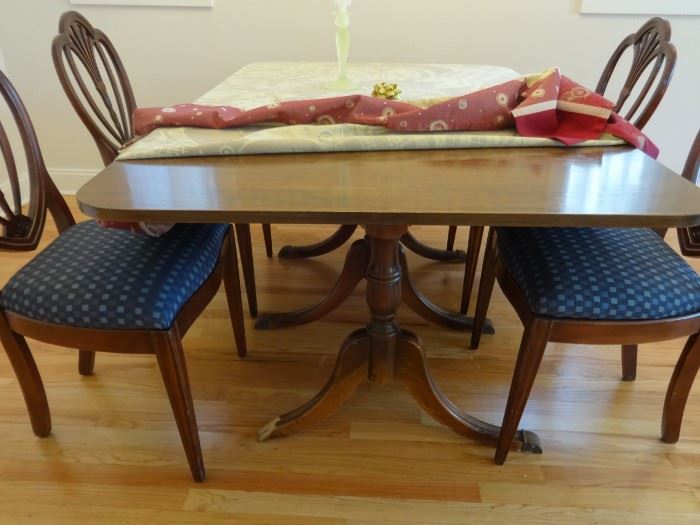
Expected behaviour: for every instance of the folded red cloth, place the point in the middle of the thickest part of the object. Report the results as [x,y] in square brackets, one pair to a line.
[548,105]
[554,106]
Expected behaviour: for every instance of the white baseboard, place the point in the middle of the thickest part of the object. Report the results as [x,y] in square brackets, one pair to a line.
[68,181]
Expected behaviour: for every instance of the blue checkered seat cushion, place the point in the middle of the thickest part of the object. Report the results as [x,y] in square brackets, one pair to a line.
[599,273]
[95,277]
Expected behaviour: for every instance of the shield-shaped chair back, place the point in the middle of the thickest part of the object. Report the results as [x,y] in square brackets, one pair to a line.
[95,81]
[653,59]
[27,191]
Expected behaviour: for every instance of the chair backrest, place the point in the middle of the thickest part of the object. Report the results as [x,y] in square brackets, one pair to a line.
[94,78]
[689,238]
[651,47]
[21,226]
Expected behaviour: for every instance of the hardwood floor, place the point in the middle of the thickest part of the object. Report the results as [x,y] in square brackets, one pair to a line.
[115,455]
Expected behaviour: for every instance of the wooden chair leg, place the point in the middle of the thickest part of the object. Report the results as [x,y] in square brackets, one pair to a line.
[232,285]
[245,246]
[532,347]
[476,233]
[629,362]
[86,362]
[451,236]
[267,234]
[679,388]
[171,361]
[488,278]
[28,378]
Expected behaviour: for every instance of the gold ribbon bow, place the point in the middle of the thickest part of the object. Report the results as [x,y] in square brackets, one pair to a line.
[387,91]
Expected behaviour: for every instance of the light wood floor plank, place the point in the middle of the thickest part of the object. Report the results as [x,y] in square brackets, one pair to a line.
[407,511]
[639,499]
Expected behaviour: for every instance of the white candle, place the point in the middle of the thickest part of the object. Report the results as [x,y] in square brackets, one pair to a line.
[342,44]
[342,13]
[342,5]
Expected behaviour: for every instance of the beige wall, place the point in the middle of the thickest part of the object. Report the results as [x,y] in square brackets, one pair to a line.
[15,141]
[175,54]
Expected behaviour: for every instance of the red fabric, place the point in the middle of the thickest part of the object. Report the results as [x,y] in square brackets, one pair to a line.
[619,127]
[552,106]
[147,228]
[483,110]
[536,115]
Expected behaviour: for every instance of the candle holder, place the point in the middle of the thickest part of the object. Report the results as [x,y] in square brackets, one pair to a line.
[342,45]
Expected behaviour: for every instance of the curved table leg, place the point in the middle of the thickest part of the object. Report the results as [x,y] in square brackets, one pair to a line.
[353,272]
[341,235]
[411,369]
[413,244]
[383,352]
[350,370]
[344,232]
[420,304]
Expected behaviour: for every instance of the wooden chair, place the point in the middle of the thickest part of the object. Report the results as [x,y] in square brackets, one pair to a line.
[593,286]
[651,48]
[96,83]
[689,238]
[107,290]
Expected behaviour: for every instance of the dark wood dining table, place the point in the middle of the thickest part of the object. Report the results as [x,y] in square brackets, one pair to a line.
[386,192]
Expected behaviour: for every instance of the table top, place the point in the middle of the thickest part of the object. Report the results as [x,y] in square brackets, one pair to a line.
[615,186]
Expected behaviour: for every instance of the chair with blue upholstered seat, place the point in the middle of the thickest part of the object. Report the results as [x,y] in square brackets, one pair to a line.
[98,87]
[593,286]
[579,273]
[689,238]
[647,79]
[109,290]
[93,277]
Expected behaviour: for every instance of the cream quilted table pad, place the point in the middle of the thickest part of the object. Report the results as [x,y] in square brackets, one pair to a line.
[269,83]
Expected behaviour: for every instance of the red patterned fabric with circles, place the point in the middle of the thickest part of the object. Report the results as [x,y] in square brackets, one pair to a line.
[551,106]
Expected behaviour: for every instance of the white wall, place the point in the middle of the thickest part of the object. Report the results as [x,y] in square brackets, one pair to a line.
[15,144]
[175,54]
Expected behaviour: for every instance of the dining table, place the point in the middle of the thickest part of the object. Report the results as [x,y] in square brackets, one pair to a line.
[385,183]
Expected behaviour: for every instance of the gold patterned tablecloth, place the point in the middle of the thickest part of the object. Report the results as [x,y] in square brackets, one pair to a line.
[267,83]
